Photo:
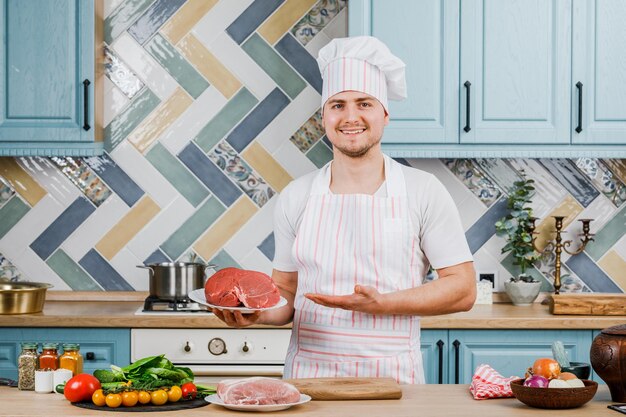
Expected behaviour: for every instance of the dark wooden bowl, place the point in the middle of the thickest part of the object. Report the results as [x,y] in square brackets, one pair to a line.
[554,397]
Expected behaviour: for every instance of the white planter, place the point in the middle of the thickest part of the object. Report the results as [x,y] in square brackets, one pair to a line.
[522,293]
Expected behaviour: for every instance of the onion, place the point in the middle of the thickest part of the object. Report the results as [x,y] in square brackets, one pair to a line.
[536,381]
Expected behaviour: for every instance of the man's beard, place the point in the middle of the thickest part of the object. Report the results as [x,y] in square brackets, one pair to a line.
[356,153]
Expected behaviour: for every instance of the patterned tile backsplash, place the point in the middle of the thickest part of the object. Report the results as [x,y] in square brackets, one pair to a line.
[212,107]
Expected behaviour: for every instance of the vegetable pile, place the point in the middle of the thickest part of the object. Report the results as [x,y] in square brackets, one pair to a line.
[546,373]
[146,374]
[152,380]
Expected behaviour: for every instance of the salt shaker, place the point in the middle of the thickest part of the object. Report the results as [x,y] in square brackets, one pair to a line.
[44,381]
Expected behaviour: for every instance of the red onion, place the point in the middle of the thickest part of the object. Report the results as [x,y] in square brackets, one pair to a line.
[536,381]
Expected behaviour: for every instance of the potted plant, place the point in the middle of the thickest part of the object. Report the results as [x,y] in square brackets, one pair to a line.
[517,227]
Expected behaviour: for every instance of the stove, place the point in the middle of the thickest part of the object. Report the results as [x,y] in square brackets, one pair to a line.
[155,304]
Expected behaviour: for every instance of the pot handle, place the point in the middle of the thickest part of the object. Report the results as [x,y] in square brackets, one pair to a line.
[146,267]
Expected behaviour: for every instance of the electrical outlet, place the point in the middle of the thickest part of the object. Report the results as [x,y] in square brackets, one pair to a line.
[488,276]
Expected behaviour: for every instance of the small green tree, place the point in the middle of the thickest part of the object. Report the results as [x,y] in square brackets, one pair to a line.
[516,227]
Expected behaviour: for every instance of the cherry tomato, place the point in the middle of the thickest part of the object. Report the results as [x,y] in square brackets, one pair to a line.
[144,397]
[113,400]
[158,397]
[130,398]
[174,394]
[189,390]
[98,398]
[81,387]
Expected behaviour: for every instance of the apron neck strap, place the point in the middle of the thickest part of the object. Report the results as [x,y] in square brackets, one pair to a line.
[394,179]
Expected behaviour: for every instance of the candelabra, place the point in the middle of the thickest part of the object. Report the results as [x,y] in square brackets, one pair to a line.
[557,245]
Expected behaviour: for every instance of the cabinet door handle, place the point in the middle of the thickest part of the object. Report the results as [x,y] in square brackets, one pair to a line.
[467,127]
[86,104]
[90,356]
[579,128]
[456,345]
[440,347]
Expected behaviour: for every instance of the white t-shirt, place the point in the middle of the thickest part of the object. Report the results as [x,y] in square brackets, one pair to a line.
[435,219]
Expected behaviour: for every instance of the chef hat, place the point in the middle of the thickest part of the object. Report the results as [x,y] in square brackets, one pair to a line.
[361,63]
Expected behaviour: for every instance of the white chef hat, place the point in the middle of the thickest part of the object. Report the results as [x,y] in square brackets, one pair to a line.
[361,63]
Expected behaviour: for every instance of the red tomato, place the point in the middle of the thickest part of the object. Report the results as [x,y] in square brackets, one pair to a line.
[81,387]
[189,391]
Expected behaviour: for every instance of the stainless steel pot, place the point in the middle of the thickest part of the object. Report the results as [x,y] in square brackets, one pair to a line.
[172,281]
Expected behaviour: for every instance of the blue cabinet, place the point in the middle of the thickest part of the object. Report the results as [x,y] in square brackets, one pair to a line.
[100,347]
[434,346]
[515,71]
[598,72]
[47,78]
[540,78]
[510,352]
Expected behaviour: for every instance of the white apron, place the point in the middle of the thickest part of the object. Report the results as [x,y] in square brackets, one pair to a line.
[344,240]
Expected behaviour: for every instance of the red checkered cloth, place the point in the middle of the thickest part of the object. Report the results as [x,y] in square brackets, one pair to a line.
[488,383]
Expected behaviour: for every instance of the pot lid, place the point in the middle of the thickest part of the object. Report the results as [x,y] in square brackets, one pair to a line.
[618,330]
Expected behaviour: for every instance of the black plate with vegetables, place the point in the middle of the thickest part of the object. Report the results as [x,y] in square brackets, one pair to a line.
[149,384]
[180,405]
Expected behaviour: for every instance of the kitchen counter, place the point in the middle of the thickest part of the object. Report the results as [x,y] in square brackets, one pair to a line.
[417,400]
[118,310]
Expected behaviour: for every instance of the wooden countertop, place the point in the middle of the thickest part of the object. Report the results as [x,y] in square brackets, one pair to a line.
[417,400]
[106,310]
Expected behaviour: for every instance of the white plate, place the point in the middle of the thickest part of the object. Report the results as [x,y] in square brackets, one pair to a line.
[215,399]
[199,297]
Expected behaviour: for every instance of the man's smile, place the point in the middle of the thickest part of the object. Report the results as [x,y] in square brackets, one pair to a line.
[352,131]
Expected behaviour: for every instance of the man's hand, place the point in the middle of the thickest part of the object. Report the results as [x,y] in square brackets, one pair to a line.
[365,299]
[234,318]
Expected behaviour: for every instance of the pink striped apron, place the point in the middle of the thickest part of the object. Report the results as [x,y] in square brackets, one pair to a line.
[344,240]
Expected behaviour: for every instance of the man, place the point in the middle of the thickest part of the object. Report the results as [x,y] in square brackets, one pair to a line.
[354,240]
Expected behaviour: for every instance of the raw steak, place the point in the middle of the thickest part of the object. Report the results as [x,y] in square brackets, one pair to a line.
[257,391]
[233,287]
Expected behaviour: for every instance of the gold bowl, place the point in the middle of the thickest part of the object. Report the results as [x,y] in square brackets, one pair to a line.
[555,398]
[22,297]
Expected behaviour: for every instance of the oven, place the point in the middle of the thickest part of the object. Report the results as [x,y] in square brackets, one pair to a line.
[216,354]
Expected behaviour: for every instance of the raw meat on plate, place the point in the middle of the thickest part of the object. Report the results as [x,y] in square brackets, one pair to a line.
[234,287]
[257,391]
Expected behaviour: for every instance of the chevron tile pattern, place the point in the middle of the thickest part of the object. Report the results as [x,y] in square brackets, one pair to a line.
[211,108]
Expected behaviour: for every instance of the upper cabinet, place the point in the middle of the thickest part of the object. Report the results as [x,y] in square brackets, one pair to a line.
[599,69]
[515,71]
[497,78]
[47,78]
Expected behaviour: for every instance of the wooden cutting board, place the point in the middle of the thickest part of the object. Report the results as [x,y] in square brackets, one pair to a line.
[588,304]
[348,388]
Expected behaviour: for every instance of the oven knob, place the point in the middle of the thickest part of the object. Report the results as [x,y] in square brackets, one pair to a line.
[187,347]
[217,346]
[246,347]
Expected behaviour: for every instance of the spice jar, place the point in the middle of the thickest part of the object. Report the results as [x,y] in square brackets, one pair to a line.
[26,365]
[71,358]
[49,357]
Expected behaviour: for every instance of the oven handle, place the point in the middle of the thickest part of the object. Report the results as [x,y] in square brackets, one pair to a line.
[236,370]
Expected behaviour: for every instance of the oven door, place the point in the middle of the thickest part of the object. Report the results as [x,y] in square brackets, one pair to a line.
[216,354]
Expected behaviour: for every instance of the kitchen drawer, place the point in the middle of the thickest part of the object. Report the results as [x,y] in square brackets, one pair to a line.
[100,347]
